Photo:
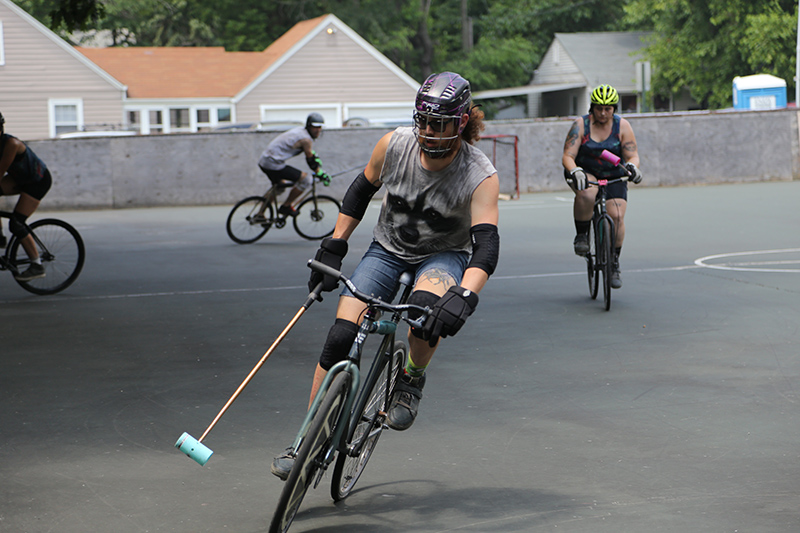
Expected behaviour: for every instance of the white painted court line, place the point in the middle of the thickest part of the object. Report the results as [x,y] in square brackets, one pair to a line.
[744,267]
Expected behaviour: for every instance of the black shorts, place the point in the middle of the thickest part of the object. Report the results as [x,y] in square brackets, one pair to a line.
[287,173]
[37,189]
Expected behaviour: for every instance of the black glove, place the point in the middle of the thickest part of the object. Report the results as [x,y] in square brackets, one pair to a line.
[449,314]
[331,252]
[323,177]
[635,175]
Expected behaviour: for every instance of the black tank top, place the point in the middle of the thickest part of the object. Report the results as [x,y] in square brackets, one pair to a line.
[589,151]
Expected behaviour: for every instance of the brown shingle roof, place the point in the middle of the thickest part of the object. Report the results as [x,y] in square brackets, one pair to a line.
[192,72]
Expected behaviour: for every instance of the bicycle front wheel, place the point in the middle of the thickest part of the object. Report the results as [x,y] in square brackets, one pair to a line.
[591,261]
[242,227]
[62,253]
[316,217]
[607,262]
[311,454]
[369,418]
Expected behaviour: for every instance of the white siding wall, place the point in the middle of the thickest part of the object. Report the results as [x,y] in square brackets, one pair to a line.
[333,72]
[36,70]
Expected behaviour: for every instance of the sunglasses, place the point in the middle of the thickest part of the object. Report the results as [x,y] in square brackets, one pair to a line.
[436,124]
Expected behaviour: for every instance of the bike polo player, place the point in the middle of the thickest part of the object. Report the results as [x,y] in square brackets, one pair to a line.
[22,173]
[438,219]
[287,145]
[601,129]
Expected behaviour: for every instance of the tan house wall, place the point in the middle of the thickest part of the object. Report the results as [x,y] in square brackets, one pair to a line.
[313,75]
[37,69]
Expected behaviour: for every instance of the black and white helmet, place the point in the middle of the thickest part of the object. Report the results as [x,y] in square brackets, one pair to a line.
[442,99]
[314,120]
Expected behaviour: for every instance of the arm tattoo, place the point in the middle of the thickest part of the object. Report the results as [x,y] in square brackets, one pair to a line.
[572,136]
[629,147]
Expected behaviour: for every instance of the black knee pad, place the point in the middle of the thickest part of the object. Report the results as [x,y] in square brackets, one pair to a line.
[422,299]
[16,225]
[337,345]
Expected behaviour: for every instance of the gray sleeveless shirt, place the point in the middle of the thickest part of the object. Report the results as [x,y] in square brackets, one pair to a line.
[282,148]
[427,212]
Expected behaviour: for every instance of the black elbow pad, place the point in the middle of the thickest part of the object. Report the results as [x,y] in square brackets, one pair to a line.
[356,199]
[485,247]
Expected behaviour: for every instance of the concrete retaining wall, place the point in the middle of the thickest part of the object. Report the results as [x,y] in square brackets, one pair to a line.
[220,168]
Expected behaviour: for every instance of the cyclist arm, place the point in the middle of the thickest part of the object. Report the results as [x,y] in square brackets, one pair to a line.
[484,211]
[572,144]
[630,152]
[345,224]
[306,146]
[10,150]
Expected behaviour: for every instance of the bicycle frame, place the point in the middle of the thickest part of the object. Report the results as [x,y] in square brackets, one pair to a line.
[369,325]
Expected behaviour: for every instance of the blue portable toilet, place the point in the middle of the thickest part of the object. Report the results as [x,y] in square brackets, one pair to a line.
[759,91]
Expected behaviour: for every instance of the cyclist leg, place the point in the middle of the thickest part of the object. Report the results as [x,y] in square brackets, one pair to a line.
[435,276]
[582,210]
[616,205]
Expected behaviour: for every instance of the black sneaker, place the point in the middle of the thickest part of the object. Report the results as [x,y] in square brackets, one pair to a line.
[616,280]
[405,402]
[581,244]
[287,211]
[34,271]
[282,464]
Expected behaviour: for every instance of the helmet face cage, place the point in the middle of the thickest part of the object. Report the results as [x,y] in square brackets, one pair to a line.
[605,95]
[443,99]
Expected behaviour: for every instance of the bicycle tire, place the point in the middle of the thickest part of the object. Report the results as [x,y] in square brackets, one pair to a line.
[370,416]
[240,226]
[316,217]
[591,261]
[607,245]
[310,454]
[62,252]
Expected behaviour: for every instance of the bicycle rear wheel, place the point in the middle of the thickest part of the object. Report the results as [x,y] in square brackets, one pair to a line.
[241,227]
[368,419]
[606,249]
[62,252]
[591,262]
[311,453]
[316,217]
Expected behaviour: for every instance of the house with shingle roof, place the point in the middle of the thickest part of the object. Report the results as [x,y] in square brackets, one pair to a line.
[576,63]
[318,65]
[48,87]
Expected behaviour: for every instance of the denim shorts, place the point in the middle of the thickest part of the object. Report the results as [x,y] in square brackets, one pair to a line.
[379,271]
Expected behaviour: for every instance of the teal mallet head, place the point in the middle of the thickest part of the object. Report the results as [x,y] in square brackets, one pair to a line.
[194,448]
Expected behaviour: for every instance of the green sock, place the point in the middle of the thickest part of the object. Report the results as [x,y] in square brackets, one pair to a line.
[413,370]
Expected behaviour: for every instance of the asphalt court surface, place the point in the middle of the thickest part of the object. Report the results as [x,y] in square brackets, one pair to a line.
[675,411]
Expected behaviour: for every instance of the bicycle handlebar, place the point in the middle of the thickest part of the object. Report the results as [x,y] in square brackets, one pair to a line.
[324,269]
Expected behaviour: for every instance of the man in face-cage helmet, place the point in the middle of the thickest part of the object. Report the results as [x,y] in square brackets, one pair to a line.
[438,219]
[602,129]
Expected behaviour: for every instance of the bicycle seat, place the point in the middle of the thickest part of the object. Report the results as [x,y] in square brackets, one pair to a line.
[407,278]
[282,184]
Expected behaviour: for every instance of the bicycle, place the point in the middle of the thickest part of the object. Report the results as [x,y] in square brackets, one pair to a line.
[343,422]
[60,248]
[600,258]
[252,217]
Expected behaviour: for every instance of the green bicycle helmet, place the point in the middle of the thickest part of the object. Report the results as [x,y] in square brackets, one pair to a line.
[605,95]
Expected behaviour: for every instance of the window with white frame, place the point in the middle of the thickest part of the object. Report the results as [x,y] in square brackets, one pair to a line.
[156,121]
[65,115]
[2,46]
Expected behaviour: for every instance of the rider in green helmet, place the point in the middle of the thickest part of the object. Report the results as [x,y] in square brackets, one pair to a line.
[602,129]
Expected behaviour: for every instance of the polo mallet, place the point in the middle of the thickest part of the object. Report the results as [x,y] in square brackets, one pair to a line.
[614,160]
[194,448]
[348,170]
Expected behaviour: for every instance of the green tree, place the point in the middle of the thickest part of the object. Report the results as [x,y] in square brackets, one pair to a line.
[703,44]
